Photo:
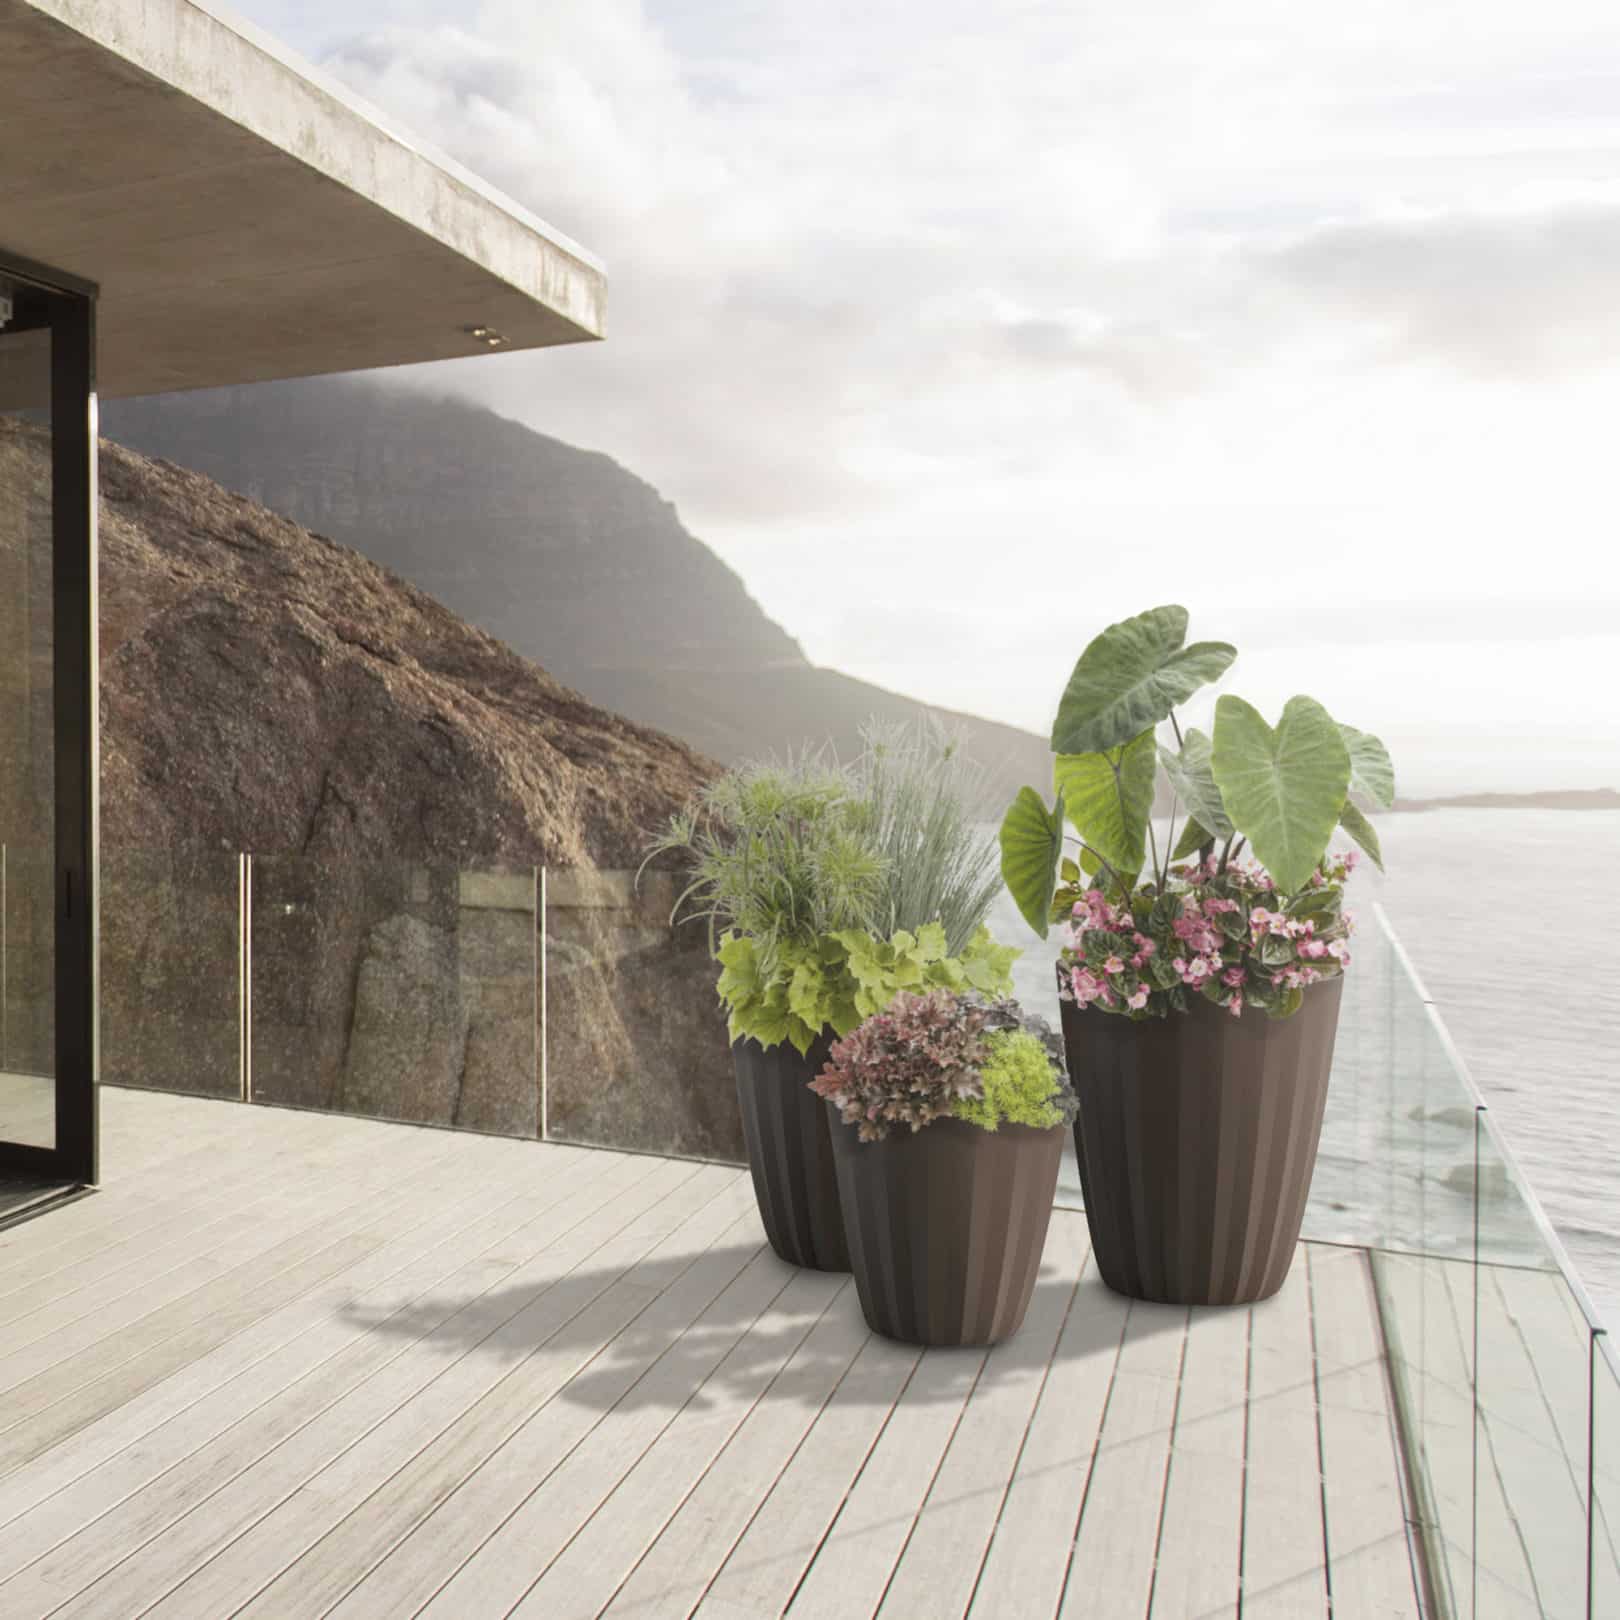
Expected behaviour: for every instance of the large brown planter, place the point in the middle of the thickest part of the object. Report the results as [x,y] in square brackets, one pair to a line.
[1196,1137]
[946,1225]
[789,1153]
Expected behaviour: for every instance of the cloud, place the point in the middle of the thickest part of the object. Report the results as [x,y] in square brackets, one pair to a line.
[1002,321]
[1512,296]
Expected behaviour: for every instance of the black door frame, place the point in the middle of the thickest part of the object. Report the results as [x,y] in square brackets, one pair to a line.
[75,674]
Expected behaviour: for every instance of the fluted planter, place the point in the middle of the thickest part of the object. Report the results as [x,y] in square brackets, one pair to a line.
[1197,1137]
[946,1225]
[789,1152]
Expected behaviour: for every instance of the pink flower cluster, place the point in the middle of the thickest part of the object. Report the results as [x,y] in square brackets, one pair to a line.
[1223,934]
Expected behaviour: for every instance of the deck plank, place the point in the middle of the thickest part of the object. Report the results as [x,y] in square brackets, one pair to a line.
[332,1329]
[406,1371]
[1028,1562]
[765,1567]
[1201,1537]
[1111,1572]
[246,1470]
[1284,1571]
[940,1566]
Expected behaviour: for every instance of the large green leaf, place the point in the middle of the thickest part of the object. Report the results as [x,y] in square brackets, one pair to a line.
[1193,838]
[1371,770]
[1362,830]
[1194,781]
[1284,789]
[1109,798]
[1131,677]
[1031,844]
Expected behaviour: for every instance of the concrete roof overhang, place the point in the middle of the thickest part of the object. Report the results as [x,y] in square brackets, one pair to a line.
[244,218]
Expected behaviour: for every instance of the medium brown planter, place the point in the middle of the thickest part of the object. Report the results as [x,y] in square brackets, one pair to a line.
[946,1225]
[789,1153]
[1197,1136]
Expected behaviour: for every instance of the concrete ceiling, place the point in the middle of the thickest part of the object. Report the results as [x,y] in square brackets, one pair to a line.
[245,219]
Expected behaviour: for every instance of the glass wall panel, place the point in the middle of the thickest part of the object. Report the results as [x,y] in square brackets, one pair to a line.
[636,1047]
[27,721]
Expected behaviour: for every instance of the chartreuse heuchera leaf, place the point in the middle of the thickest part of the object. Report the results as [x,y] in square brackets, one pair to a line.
[1131,677]
[1109,797]
[1031,845]
[844,977]
[1371,771]
[1284,789]
[1193,779]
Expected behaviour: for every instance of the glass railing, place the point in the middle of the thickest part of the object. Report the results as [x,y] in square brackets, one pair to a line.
[397,990]
[1497,1356]
[561,1004]
[636,1054]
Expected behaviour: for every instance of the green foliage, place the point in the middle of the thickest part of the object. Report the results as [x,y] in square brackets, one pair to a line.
[1194,836]
[1281,792]
[839,979]
[778,851]
[923,805]
[1371,772]
[1020,1085]
[1131,677]
[1109,797]
[1362,830]
[826,890]
[1031,845]
[1193,779]
[1285,788]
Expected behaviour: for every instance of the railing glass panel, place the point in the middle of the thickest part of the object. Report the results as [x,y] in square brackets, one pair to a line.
[171,972]
[400,991]
[636,1048]
[1604,1551]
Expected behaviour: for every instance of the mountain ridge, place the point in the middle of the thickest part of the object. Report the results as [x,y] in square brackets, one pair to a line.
[562,553]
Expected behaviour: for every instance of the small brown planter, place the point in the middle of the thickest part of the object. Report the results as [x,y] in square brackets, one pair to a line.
[946,1225]
[789,1153]
[1196,1138]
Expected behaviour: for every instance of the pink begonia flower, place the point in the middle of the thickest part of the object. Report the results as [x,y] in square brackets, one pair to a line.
[1179,963]
[1351,859]
[1234,976]
[1086,986]
[1113,965]
[1138,999]
[1216,906]
[1312,948]
[1107,997]
[1338,948]
[1144,945]
[1235,1005]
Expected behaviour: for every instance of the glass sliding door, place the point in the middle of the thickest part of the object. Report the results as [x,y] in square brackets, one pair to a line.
[47,733]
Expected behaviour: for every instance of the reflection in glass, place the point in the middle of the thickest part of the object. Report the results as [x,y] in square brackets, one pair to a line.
[636,1048]
[396,990]
[27,757]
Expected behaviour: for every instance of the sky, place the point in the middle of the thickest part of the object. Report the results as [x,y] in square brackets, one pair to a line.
[961,330]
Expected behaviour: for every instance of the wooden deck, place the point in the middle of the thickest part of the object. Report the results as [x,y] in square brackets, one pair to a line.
[292,1365]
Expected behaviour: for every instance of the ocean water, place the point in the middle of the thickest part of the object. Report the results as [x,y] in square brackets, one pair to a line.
[1502,915]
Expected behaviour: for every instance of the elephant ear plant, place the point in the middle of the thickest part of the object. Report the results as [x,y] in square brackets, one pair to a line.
[1202,921]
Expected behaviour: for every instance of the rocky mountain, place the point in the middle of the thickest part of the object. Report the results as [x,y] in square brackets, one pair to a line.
[398,777]
[560,552]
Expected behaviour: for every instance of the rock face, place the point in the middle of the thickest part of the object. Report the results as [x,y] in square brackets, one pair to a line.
[399,780]
[561,552]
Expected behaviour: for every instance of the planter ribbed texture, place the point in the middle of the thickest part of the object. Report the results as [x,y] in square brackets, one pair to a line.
[1197,1137]
[789,1153]
[946,1225]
